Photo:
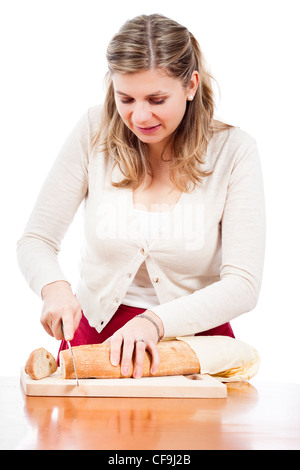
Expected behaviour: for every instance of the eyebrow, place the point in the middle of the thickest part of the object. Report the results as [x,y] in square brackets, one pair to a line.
[156,93]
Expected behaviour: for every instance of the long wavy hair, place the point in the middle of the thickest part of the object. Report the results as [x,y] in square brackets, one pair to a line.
[149,42]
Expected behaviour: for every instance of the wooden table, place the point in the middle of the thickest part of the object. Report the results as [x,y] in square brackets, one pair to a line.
[253,416]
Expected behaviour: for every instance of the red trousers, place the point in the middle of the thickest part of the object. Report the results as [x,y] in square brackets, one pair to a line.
[86,334]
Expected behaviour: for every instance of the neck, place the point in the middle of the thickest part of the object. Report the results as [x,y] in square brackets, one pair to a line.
[159,153]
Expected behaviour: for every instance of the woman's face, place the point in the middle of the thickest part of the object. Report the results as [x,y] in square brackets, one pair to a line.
[151,103]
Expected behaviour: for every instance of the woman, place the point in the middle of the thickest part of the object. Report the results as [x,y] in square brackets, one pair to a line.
[174,212]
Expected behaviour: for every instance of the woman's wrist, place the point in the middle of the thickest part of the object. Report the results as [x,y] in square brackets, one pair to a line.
[53,286]
[155,320]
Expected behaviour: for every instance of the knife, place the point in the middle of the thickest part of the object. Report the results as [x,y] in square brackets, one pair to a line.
[71,350]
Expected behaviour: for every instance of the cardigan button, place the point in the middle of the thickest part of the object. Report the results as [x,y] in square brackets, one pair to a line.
[155,279]
[143,251]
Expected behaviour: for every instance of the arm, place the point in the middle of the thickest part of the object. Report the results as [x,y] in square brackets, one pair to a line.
[58,201]
[243,238]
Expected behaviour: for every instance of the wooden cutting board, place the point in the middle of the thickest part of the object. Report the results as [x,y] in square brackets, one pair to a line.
[192,386]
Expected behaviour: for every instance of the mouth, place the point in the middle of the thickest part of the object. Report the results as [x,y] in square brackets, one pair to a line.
[148,130]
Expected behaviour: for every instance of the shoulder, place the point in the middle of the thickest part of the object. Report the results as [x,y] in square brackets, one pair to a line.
[231,144]
[230,148]
[94,113]
[239,138]
[87,124]
[234,138]
[93,116]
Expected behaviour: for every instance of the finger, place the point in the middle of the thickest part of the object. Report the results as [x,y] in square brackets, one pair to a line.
[52,324]
[47,328]
[68,329]
[140,347]
[127,353]
[77,318]
[71,323]
[59,332]
[116,342]
[46,321]
[155,358]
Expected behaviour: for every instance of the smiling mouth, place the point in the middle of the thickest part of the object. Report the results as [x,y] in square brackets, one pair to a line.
[148,129]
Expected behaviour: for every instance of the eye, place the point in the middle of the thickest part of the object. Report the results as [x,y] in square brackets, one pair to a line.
[129,100]
[152,101]
[158,101]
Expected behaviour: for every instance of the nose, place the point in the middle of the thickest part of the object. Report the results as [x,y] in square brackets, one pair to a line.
[141,114]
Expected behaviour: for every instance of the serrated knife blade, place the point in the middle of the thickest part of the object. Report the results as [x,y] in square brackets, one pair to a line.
[71,350]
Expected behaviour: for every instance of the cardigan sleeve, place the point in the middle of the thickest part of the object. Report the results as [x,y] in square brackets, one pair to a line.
[243,242]
[59,198]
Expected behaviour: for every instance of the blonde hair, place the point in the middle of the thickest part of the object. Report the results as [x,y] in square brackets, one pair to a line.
[144,43]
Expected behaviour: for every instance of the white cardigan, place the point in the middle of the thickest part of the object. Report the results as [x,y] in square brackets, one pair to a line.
[205,263]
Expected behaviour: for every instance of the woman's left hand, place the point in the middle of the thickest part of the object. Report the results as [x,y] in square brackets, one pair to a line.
[130,342]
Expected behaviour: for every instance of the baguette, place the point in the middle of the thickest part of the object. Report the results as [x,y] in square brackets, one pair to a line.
[92,361]
[40,364]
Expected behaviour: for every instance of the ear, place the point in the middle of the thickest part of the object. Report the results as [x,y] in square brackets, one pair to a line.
[192,88]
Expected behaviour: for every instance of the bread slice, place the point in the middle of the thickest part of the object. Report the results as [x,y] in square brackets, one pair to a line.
[92,361]
[40,364]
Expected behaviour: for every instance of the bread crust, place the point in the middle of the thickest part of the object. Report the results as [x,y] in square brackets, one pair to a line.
[40,364]
[92,361]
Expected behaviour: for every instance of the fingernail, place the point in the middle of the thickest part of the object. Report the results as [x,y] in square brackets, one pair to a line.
[114,361]
[125,370]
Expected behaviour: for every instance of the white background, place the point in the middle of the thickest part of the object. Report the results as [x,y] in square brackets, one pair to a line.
[52,69]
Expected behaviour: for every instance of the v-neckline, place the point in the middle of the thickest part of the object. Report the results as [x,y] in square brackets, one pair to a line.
[164,224]
[132,204]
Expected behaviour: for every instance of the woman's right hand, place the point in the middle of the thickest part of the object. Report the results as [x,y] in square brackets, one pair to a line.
[60,307]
